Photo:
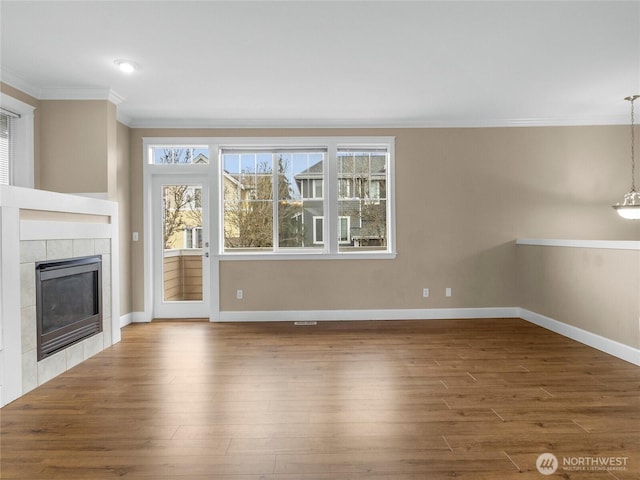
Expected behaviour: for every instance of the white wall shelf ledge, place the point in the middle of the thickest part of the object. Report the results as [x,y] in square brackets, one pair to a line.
[601,244]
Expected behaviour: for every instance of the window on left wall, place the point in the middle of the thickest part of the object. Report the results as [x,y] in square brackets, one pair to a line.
[7,148]
[16,142]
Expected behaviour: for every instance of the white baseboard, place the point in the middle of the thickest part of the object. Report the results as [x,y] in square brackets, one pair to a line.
[612,347]
[126,319]
[347,315]
[617,349]
[140,317]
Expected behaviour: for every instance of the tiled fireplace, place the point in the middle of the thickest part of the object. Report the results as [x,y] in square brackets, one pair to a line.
[36,372]
[39,226]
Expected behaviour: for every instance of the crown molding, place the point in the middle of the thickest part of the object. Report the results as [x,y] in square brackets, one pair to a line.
[10,78]
[123,118]
[359,123]
[64,93]
[115,98]
[59,93]
[53,93]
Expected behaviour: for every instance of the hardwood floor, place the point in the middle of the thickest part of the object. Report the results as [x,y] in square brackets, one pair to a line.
[401,400]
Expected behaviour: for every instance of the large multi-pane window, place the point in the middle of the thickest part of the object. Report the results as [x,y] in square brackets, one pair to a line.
[271,197]
[316,195]
[362,203]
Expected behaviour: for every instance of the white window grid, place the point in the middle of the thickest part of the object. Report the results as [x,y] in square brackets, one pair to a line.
[330,189]
[318,221]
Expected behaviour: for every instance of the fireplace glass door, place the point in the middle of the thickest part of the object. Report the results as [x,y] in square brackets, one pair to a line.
[68,302]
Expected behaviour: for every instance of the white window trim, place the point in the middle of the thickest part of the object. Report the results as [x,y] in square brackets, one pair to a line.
[21,171]
[186,233]
[348,187]
[330,191]
[314,186]
[315,218]
[192,234]
[348,240]
[195,231]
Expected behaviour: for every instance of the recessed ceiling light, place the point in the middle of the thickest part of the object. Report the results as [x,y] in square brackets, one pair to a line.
[127,66]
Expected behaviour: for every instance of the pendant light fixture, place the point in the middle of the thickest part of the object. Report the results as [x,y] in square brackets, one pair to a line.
[630,207]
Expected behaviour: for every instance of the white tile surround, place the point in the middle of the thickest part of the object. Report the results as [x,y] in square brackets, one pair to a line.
[91,229]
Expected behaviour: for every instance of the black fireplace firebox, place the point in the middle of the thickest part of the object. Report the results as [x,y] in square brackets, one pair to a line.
[68,302]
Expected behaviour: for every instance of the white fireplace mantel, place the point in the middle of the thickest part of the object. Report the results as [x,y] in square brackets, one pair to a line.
[36,215]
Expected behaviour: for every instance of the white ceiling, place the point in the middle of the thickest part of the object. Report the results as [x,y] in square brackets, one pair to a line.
[350,63]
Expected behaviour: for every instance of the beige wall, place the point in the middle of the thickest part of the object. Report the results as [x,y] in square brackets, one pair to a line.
[85,150]
[463,197]
[77,145]
[597,290]
[123,197]
[114,150]
[19,95]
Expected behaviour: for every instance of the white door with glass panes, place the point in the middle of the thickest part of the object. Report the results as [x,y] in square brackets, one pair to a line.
[181,248]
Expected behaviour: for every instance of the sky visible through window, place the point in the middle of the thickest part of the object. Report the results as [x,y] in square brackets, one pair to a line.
[292,164]
[179,154]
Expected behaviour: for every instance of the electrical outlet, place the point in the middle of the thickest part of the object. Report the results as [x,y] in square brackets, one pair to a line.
[425,292]
[239,294]
[134,236]
[447,292]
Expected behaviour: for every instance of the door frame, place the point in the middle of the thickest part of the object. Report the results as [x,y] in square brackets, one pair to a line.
[202,174]
[179,308]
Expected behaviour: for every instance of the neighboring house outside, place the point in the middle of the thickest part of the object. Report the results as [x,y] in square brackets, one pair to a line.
[310,184]
[188,219]
[200,159]
[248,207]
[361,201]
[183,210]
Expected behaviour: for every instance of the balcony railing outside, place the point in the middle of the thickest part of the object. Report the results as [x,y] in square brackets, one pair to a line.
[183,275]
